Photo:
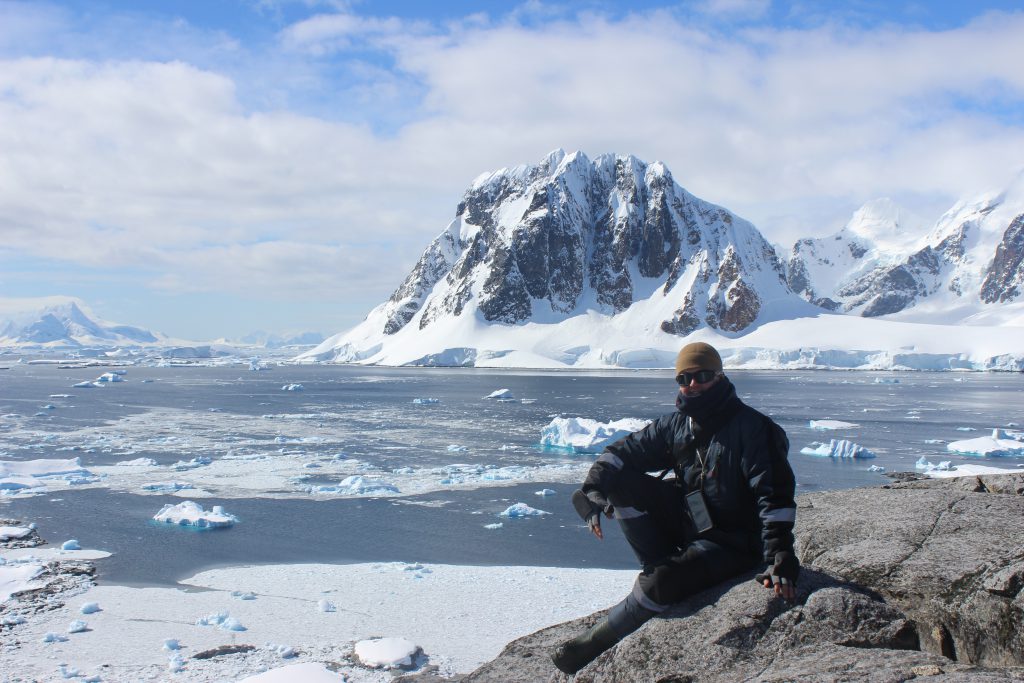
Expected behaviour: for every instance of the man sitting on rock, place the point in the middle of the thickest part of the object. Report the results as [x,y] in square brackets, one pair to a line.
[729,507]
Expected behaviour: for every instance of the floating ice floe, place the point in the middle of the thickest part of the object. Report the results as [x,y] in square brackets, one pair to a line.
[72,544]
[886,380]
[456,448]
[994,446]
[966,429]
[196,462]
[583,435]
[138,462]
[110,377]
[826,425]
[501,395]
[544,492]
[926,466]
[496,525]
[293,387]
[356,485]
[387,653]
[522,510]
[876,468]
[189,513]
[166,486]
[837,448]
[87,385]
[28,474]
[426,401]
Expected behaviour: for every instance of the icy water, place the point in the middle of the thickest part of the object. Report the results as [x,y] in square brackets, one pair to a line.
[456,463]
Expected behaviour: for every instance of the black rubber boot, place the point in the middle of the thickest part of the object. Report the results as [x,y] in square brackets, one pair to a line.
[573,655]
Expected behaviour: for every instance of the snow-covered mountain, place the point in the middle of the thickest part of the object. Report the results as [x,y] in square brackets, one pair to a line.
[270,340]
[970,266]
[61,321]
[572,238]
[580,263]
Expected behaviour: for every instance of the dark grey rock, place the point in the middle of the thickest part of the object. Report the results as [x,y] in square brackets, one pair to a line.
[917,579]
[1005,275]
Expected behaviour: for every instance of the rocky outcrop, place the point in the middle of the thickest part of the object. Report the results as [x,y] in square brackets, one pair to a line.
[917,579]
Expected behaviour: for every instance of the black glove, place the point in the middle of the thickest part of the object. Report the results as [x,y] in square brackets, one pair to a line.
[589,504]
[785,570]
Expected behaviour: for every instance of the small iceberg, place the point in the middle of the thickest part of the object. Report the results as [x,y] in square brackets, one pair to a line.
[293,387]
[997,445]
[190,513]
[924,465]
[522,510]
[837,448]
[828,425]
[501,395]
[425,401]
[583,435]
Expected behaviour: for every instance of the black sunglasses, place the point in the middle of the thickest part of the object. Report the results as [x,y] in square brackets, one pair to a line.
[702,377]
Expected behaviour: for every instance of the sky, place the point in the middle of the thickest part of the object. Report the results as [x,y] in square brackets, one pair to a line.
[208,169]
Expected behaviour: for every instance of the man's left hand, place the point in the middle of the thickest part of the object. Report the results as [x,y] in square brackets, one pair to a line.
[782,576]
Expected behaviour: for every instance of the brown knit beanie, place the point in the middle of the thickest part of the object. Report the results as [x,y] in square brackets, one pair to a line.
[698,355]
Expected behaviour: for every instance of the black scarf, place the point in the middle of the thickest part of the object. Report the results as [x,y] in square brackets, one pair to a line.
[712,409]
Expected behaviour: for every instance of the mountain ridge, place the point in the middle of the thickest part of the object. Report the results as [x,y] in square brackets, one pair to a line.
[575,262]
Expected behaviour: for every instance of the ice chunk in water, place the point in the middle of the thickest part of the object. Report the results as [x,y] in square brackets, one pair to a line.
[522,510]
[190,513]
[837,448]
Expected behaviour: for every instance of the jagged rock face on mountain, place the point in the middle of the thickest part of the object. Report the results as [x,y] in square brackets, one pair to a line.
[546,242]
[874,266]
[1005,275]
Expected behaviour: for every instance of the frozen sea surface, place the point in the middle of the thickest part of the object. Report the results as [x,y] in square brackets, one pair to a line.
[278,459]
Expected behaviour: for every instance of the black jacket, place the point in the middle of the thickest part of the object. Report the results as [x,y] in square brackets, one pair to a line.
[748,484]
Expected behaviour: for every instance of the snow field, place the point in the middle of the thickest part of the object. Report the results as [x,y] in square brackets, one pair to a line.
[447,611]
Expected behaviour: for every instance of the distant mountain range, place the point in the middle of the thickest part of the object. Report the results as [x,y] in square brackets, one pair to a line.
[608,262]
[63,322]
[878,264]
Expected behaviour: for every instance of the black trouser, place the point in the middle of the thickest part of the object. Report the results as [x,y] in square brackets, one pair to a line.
[676,563]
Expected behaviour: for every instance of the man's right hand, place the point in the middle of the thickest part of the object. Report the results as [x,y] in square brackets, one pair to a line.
[589,506]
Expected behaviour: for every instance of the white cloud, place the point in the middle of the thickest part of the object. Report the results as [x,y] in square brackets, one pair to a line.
[325,33]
